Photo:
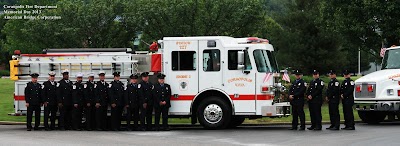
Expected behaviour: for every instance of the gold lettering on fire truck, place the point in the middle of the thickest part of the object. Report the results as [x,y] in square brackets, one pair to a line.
[394,76]
[182,45]
[239,81]
[182,76]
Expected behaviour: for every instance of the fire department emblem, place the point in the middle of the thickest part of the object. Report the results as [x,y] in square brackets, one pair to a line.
[183,85]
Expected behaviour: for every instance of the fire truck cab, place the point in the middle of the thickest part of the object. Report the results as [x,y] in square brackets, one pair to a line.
[377,95]
[217,81]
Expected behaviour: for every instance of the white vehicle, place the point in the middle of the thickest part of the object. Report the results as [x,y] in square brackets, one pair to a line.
[218,81]
[377,94]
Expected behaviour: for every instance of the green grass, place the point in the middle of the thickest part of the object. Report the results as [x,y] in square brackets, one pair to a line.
[7,106]
[7,101]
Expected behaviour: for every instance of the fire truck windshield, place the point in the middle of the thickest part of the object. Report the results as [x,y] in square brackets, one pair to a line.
[265,61]
[391,59]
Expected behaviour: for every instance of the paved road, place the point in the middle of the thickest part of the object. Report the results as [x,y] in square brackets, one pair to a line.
[384,134]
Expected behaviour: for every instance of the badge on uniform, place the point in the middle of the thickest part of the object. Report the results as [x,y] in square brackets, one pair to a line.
[299,84]
[152,87]
[322,83]
[58,84]
[345,83]
[138,86]
[336,83]
[42,86]
[74,87]
[316,84]
[109,85]
[166,88]
[95,85]
[84,86]
[352,83]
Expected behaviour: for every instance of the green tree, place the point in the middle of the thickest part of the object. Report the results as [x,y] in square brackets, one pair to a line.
[304,43]
[367,25]
[160,18]
[89,23]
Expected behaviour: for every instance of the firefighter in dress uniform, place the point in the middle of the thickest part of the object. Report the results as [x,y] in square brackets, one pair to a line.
[314,97]
[146,100]
[132,102]
[90,103]
[333,98]
[78,100]
[49,94]
[33,101]
[64,99]
[346,93]
[116,93]
[101,99]
[162,95]
[296,97]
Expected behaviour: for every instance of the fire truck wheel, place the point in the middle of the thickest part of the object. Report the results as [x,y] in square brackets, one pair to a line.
[236,121]
[372,117]
[214,113]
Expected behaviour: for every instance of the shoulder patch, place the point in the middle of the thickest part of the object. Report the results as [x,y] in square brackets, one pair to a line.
[352,83]
[336,83]
[73,86]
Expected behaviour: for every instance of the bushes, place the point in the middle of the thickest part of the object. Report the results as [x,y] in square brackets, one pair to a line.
[4,73]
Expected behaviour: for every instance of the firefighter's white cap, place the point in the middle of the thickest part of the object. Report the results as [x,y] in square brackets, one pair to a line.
[102,72]
[79,75]
[91,74]
[65,71]
[52,73]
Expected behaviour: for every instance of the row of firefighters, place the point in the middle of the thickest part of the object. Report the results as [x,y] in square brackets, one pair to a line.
[335,92]
[93,99]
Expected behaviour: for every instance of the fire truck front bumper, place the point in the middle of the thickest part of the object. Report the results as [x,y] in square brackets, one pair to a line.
[377,105]
[281,109]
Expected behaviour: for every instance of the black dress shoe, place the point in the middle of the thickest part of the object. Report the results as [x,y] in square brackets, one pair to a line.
[330,127]
[349,128]
[302,129]
[36,128]
[317,129]
[166,129]
[46,129]
[334,128]
[29,129]
[310,128]
[62,129]
[293,128]
[344,128]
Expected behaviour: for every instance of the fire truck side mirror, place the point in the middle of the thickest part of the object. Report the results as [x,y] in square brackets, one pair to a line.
[240,58]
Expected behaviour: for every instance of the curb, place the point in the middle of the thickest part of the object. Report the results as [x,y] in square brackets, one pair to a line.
[195,125]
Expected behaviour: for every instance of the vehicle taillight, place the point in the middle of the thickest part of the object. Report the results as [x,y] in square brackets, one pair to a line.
[370,88]
[398,92]
[358,88]
[264,89]
[398,82]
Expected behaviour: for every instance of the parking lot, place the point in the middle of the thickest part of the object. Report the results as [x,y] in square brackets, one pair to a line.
[383,134]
